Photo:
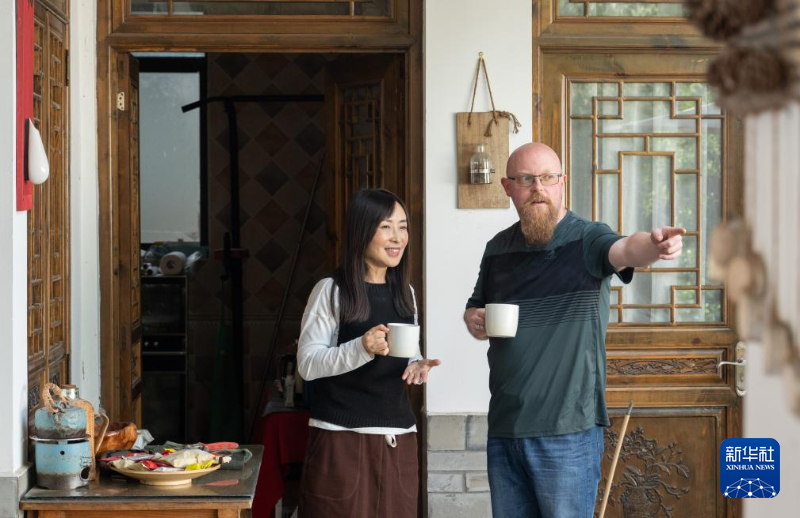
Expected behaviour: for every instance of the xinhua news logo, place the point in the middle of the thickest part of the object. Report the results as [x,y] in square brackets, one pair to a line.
[750,468]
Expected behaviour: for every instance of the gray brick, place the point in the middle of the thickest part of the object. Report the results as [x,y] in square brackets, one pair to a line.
[477,482]
[464,505]
[445,482]
[457,461]
[446,432]
[477,432]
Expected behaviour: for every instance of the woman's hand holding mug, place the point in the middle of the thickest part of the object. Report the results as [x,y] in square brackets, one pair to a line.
[374,340]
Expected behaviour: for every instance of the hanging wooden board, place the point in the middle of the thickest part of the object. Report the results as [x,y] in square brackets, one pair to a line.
[486,196]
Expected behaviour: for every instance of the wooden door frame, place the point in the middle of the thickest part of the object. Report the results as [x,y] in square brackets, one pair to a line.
[596,39]
[401,33]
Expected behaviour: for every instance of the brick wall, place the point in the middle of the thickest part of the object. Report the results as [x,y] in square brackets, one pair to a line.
[458,484]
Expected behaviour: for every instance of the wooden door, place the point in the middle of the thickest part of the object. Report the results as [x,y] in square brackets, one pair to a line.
[365,134]
[48,220]
[620,93]
[644,144]
[366,148]
[126,358]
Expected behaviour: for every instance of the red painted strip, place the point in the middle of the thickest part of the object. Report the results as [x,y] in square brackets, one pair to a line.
[24,17]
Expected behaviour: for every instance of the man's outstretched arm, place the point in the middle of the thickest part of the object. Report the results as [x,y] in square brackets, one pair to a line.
[645,248]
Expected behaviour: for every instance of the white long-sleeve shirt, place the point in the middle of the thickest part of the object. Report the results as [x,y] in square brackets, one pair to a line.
[318,356]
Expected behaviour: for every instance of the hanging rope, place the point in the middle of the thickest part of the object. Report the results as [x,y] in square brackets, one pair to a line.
[495,113]
[507,115]
[48,401]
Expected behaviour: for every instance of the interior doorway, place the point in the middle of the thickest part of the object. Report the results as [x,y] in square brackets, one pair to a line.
[243,163]
[289,109]
[123,28]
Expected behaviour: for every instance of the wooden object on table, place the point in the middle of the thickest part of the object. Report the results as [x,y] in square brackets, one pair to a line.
[90,431]
[119,436]
[222,494]
[469,135]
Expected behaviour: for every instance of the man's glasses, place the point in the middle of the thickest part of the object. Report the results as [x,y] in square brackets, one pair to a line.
[526,180]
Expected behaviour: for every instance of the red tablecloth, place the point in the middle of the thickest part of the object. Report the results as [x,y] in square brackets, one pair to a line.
[284,436]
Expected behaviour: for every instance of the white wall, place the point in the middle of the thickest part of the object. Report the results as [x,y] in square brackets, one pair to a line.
[13,267]
[772,215]
[455,31]
[85,361]
[766,414]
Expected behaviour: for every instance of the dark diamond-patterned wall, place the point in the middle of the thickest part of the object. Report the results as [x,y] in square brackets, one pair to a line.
[280,145]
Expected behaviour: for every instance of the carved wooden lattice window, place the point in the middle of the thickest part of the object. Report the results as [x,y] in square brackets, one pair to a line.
[37,365]
[335,8]
[362,137]
[365,131]
[644,144]
[645,154]
[625,8]
[48,221]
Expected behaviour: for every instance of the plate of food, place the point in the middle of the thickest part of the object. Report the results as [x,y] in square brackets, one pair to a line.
[165,478]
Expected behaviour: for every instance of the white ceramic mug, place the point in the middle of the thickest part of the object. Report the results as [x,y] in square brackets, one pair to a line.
[403,340]
[501,320]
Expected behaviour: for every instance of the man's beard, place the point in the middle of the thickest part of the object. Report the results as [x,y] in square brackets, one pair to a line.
[538,225]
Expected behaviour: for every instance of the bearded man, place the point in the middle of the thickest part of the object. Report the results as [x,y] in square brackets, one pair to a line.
[548,408]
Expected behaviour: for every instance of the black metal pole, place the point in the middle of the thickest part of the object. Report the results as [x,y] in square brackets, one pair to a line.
[233,138]
[233,253]
[277,98]
[237,304]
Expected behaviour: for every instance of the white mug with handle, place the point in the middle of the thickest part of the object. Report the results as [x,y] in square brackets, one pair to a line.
[403,340]
[502,320]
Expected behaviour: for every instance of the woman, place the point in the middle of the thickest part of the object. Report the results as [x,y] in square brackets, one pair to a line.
[361,459]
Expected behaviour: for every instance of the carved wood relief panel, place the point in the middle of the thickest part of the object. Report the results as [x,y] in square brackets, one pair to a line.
[667,466]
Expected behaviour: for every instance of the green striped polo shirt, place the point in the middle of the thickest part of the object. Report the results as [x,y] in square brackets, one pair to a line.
[550,379]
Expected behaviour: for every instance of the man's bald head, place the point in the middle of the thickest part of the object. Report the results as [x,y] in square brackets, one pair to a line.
[533,158]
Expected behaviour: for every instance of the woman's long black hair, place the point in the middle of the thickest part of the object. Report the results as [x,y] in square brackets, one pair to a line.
[368,209]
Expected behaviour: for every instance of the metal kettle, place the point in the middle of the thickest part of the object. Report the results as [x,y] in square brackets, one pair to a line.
[59,419]
[64,456]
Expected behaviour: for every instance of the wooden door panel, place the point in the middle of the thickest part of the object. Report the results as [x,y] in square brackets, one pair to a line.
[127,354]
[48,220]
[668,459]
[365,147]
[365,138]
[58,371]
[658,358]
[56,194]
[665,367]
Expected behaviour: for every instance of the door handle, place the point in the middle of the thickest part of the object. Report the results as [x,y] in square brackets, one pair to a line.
[739,365]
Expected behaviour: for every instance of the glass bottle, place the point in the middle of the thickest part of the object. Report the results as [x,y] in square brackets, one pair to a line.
[70,391]
[480,166]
